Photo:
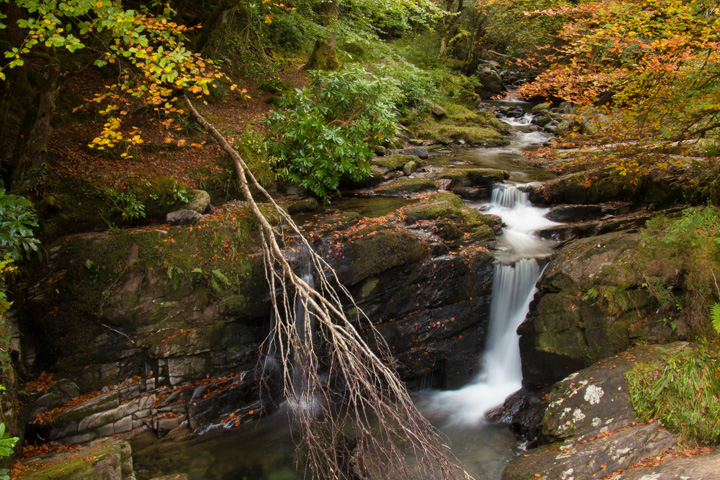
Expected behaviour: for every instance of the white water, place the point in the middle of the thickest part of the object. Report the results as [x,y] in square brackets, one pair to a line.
[516,273]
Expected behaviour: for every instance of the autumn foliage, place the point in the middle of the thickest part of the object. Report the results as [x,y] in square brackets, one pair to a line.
[649,66]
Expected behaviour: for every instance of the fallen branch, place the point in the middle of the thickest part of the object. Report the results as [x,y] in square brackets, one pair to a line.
[367,424]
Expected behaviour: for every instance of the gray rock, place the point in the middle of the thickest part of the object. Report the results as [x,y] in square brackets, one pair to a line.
[308,204]
[199,202]
[438,111]
[705,467]
[421,152]
[543,108]
[592,460]
[574,213]
[183,217]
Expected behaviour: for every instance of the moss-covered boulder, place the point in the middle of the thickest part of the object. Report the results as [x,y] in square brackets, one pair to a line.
[659,188]
[593,302]
[393,162]
[181,302]
[475,177]
[376,248]
[453,219]
[403,186]
[107,460]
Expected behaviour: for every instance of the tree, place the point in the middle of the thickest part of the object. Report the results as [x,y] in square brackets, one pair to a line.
[652,66]
[362,20]
[147,52]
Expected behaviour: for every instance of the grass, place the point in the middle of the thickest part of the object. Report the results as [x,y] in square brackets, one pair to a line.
[681,390]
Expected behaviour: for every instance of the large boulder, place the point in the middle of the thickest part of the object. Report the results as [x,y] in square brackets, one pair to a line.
[659,188]
[592,425]
[490,79]
[106,460]
[592,302]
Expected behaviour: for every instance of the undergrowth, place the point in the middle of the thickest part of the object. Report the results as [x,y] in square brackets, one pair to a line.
[681,390]
[690,248]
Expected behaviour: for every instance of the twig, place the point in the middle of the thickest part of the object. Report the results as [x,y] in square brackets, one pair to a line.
[118,332]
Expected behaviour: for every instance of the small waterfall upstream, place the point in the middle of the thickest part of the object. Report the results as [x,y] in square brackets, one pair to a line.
[520,253]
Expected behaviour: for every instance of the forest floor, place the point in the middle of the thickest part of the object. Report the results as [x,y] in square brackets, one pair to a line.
[177,150]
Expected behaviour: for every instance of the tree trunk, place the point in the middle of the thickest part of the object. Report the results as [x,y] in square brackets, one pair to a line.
[27,101]
[324,55]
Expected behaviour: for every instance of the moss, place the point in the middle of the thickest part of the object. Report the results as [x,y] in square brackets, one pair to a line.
[105,460]
[407,185]
[393,162]
[133,279]
[454,219]
[472,135]
[471,177]
[378,248]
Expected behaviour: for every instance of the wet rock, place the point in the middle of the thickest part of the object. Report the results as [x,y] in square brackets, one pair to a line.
[574,213]
[107,460]
[590,305]
[523,411]
[308,204]
[183,217]
[421,152]
[592,460]
[540,108]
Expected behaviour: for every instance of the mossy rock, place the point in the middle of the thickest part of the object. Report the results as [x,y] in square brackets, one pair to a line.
[475,177]
[593,302]
[165,289]
[378,248]
[406,185]
[308,204]
[454,219]
[471,135]
[393,162]
[109,459]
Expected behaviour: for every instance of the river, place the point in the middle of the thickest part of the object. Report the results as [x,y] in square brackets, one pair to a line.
[264,450]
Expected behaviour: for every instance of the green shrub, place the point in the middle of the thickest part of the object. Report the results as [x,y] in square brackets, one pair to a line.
[681,390]
[17,221]
[327,131]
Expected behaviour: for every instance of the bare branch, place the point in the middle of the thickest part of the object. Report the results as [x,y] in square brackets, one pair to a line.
[354,416]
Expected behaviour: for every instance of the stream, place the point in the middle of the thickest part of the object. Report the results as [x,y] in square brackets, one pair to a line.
[264,450]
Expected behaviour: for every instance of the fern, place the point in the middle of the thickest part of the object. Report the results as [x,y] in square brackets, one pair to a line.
[715,314]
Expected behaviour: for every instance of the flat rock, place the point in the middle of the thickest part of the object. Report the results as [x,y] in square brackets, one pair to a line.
[704,467]
[183,217]
[592,460]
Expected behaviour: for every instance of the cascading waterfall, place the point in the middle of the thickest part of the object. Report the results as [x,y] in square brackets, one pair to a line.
[516,273]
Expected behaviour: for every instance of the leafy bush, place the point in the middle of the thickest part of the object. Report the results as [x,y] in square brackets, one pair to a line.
[680,389]
[327,131]
[17,221]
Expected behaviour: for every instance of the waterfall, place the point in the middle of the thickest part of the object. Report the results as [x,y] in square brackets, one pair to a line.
[516,273]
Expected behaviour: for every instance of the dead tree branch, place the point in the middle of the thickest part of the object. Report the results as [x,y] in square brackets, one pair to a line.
[353,415]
